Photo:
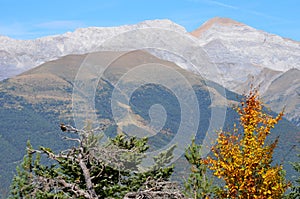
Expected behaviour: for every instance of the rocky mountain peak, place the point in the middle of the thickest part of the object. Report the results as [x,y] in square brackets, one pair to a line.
[216,21]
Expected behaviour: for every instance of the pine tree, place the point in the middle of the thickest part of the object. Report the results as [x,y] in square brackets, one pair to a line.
[24,180]
[87,170]
[295,189]
[198,185]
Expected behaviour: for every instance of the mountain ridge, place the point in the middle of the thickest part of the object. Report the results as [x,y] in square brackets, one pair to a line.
[228,22]
[17,56]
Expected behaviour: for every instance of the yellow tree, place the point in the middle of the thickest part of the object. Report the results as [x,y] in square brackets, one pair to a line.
[244,161]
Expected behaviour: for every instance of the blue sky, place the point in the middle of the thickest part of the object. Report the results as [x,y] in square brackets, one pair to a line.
[28,19]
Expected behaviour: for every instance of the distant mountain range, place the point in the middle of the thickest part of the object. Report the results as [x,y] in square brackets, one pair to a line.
[242,54]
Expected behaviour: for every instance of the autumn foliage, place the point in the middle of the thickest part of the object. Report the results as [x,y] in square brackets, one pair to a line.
[244,161]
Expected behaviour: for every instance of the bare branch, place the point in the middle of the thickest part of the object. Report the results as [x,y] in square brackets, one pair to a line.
[87,178]
[59,184]
[72,139]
